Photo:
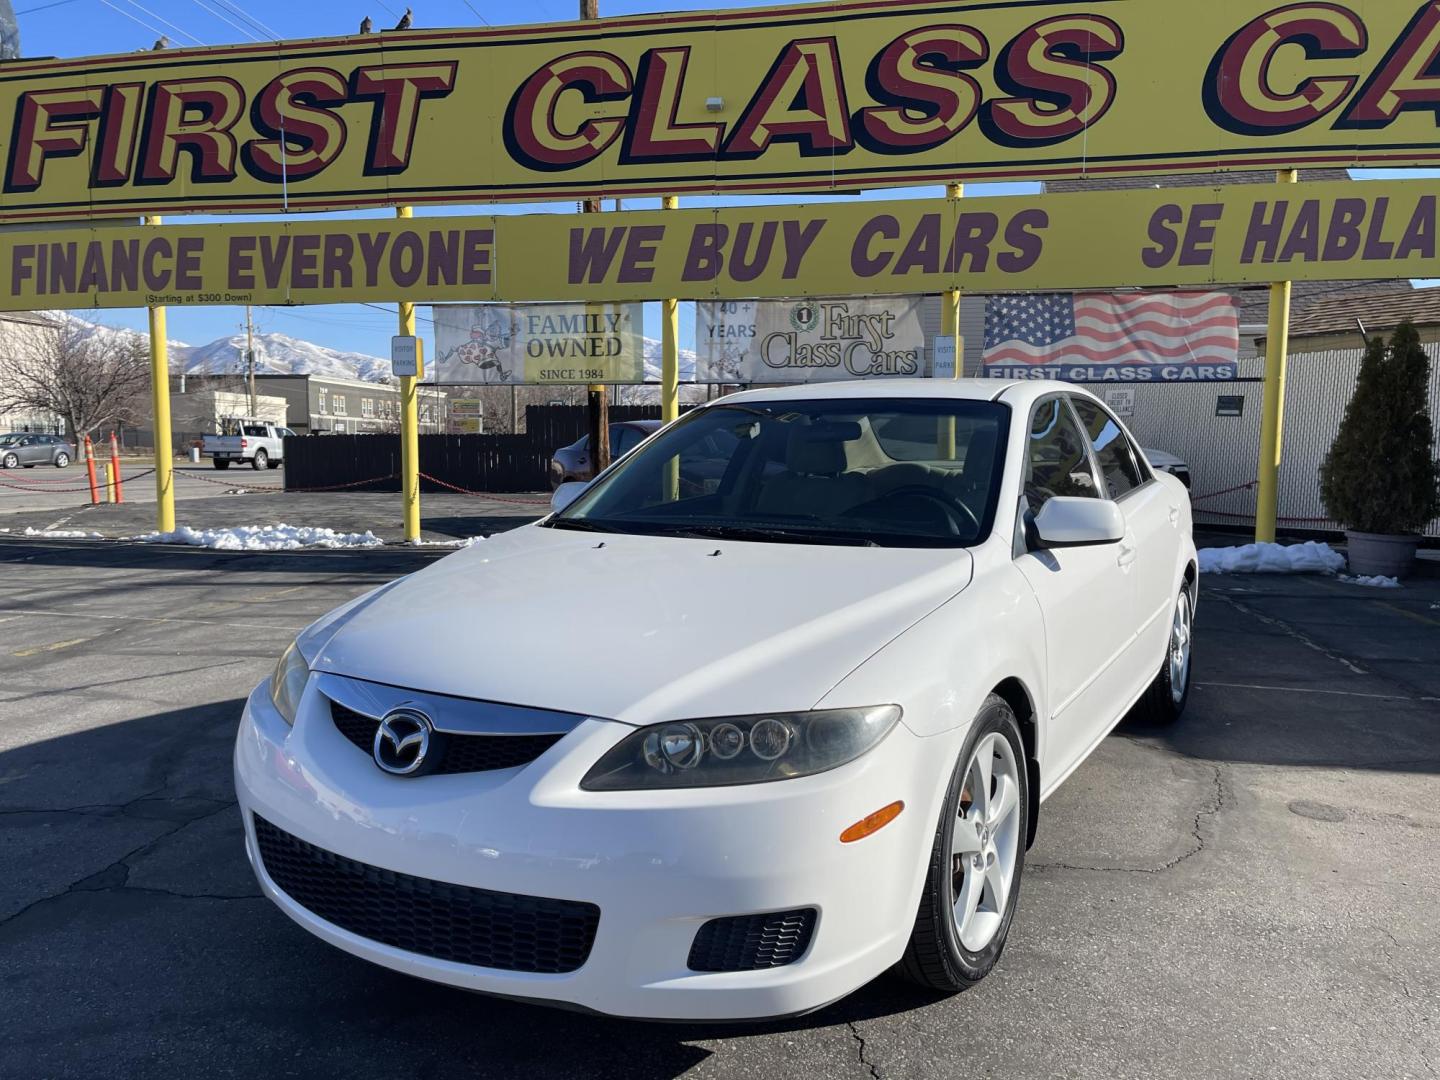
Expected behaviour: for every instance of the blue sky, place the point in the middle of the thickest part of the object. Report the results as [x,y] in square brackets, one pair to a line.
[80,27]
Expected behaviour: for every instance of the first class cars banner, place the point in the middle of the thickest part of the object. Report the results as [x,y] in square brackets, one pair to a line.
[814,98]
[1149,238]
[810,340]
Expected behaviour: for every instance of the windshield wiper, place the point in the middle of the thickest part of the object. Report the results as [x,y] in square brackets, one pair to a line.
[580,525]
[777,534]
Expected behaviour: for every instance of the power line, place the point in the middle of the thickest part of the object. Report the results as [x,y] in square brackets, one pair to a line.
[167,22]
[473,8]
[115,7]
[251,19]
[221,16]
[44,7]
[389,311]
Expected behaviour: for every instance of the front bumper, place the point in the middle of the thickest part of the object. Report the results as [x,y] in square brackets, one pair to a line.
[658,864]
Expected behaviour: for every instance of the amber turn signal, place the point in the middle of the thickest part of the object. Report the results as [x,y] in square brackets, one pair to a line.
[872,823]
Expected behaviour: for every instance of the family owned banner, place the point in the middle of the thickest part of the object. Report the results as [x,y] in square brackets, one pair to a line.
[809,340]
[539,343]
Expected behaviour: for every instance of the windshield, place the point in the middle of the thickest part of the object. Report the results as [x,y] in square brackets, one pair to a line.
[887,472]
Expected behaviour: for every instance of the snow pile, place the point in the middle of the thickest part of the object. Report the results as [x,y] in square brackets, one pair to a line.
[1375,581]
[262,538]
[63,534]
[469,541]
[1310,557]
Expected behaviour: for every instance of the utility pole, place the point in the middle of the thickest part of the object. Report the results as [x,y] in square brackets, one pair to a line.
[598,398]
[250,358]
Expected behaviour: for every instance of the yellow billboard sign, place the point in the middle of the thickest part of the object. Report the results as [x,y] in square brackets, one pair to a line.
[812,98]
[1150,237]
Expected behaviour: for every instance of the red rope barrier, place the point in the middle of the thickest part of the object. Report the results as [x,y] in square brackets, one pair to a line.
[483,494]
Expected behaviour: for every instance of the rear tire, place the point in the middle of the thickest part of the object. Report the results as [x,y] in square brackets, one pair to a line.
[958,940]
[260,460]
[222,463]
[62,460]
[1164,700]
[9,461]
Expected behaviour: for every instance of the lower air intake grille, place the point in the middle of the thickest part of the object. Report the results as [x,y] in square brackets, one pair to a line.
[752,942]
[433,918]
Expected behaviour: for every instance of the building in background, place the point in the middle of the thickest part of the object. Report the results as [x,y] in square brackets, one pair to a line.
[17,331]
[323,405]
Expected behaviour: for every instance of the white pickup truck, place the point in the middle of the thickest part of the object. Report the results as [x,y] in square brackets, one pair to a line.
[259,442]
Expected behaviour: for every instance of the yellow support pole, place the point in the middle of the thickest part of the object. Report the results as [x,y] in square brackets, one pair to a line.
[1272,412]
[670,345]
[160,400]
[109,481]
[950,327]
[670,370]
[409,423]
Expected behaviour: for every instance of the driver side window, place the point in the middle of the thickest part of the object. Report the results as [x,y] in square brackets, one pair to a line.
[1058,456]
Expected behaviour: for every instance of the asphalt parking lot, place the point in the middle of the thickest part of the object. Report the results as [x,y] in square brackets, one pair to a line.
[1254,893]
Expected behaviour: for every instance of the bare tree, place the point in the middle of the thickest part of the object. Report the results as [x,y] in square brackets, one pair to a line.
[89,379]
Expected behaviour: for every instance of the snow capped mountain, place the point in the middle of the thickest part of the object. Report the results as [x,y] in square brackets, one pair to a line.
[279,354]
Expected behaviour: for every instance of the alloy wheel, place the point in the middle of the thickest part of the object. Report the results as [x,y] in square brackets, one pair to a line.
[985,842]
[1180,648]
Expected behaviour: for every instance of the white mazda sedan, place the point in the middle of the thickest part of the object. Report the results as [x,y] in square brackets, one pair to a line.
[768,708]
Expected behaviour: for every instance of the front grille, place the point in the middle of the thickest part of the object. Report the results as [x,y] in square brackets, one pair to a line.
[433,918]
[452,753]
[752,942]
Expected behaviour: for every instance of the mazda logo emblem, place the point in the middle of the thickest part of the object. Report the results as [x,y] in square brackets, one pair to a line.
[401,741]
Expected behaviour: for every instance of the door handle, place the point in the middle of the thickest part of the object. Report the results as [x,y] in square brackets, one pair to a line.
[1126,556]
[1174,515]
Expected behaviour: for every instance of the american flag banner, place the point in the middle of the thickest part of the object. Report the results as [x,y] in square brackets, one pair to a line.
[1105,337]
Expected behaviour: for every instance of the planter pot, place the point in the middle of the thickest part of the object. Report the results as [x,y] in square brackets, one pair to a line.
[1381,553]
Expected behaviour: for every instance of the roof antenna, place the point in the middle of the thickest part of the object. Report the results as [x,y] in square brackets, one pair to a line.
[1364,337]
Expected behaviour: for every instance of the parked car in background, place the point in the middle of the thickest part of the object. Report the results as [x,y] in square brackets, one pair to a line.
[573,462]
[805,722]
[1169,463]
[259,442]
[28,449]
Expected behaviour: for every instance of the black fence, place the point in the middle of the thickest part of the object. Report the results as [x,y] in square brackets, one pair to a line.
[498,463]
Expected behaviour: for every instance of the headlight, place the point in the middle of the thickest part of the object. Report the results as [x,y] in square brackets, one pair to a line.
[739,749]
[288,682]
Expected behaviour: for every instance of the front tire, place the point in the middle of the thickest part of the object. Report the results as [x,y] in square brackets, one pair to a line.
[977,860]
[1165,699]
[259,461]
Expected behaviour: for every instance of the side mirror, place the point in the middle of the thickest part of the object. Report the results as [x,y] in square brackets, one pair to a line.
[1073,522]
[566,494]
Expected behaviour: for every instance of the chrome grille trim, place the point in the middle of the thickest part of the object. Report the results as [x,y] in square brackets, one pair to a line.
[453,715]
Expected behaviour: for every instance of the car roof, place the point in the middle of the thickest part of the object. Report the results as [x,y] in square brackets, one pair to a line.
[1018,392]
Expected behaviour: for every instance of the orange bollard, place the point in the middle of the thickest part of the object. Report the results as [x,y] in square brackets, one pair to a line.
[90,468]
[115,464]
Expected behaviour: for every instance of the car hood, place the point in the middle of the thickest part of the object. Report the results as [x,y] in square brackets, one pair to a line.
[637,628]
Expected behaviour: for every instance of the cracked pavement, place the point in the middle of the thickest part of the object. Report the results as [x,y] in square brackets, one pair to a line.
[1254,893]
